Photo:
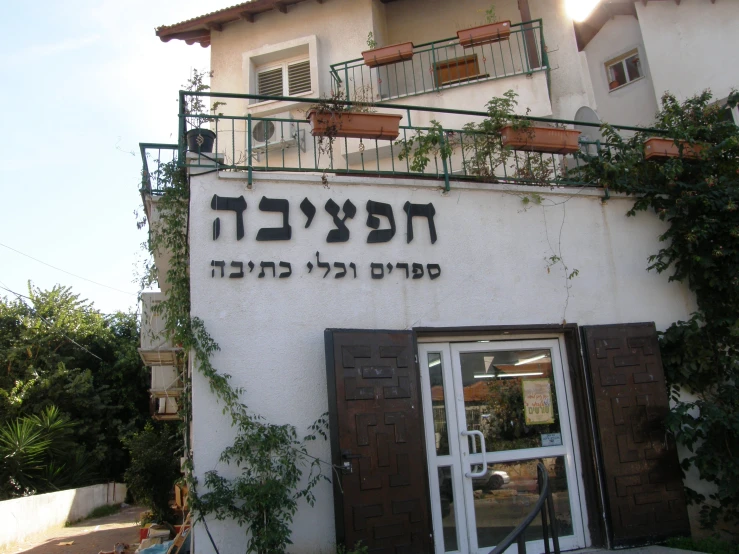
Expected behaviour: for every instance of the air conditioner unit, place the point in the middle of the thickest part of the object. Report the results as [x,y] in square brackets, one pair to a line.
[269,134]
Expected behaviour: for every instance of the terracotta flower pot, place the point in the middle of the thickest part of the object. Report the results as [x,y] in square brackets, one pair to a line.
[388,54]
[613,84]
[381,126]
[484,34]
[658,148]
[541,139]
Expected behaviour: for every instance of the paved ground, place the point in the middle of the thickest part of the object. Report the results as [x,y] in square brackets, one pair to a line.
[90,537]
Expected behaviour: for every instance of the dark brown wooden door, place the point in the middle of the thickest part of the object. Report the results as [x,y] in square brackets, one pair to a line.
[377,434]
[643,483]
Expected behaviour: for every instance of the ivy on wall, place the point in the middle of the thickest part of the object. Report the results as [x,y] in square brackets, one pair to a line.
[698,198]
[271,459]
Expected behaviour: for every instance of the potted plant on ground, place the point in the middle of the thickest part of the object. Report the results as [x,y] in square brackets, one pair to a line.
[492,31]
[199,139]
[375,57]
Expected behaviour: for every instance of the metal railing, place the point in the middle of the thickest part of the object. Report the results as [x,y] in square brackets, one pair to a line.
[545,506]
[153,157]
[444,64]
[285,144]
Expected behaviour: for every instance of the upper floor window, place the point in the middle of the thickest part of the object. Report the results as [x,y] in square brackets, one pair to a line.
[288,68]
[624,69]
[284,79]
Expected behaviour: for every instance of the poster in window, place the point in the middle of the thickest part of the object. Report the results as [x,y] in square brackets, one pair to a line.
[537,401]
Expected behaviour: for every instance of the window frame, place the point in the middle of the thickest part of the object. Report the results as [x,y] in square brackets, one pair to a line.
[279,55]
[283,64]
[621,59]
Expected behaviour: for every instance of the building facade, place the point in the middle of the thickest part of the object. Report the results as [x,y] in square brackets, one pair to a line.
[456,330]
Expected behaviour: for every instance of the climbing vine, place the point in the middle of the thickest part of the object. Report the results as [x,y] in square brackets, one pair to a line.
[698,198]
[272,459]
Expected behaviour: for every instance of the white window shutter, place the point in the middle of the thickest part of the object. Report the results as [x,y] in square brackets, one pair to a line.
[298,77]
[270,82]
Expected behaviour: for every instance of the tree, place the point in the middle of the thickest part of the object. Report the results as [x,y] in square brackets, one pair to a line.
[154,467]
[698,198]
[57,350]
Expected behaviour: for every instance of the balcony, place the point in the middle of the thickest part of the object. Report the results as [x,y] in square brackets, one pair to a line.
[445,64]
[156,346]
[251,144]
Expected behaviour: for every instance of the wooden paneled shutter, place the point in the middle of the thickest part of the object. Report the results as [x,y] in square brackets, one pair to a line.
[645,500]
[377,434]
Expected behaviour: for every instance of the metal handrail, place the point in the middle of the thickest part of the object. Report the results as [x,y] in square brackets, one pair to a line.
[545,505]
[408,77]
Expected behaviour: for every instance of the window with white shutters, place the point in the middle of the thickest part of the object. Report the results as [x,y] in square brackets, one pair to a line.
[290,78]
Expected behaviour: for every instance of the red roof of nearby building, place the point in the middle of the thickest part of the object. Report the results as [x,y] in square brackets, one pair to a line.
[199,28]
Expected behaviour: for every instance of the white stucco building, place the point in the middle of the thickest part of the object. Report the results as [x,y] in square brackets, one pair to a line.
[427,311]
[637,51]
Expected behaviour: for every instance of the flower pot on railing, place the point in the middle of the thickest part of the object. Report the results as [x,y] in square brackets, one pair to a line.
[361,125]
[662,148]
[200,140]
[541,139]
[484,34]
[388,54]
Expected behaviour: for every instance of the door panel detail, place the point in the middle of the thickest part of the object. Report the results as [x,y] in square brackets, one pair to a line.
[643,480]
[377,431]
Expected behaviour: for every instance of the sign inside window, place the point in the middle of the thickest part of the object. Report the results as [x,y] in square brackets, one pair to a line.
[537,401]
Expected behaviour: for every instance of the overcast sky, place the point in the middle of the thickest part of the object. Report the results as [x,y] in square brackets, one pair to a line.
[83,82]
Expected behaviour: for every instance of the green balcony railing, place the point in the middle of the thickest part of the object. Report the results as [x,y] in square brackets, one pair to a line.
[153,158]
[285,144]
[444,64]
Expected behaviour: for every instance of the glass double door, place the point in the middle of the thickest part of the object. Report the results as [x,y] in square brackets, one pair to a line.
[492,411]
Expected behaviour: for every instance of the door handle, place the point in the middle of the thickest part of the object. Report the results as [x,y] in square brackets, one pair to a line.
[484,470]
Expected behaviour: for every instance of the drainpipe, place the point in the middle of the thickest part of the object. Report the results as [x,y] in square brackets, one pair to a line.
[529,37]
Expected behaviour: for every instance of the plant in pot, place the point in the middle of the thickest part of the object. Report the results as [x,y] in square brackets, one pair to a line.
[331,118]
[490,145]
[492,31]
[199,139]
[375,57]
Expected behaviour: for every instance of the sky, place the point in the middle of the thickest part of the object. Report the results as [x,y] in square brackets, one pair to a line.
[84,81]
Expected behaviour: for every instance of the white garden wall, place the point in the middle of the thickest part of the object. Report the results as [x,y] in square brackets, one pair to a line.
[30,515]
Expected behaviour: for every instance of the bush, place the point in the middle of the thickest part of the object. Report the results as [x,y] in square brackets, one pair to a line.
[154,468]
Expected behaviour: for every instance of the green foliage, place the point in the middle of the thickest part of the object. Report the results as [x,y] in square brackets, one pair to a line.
[194,107]
[359,548]
[155,467]
[371,42]
[37,455]
[57,350]
[101,511]
[490,16]
[710,545]
[270,459]
[481,146]
[698,199]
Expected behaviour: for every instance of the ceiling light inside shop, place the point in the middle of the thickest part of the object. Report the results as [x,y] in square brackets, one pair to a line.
[530,360]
